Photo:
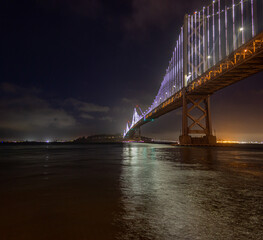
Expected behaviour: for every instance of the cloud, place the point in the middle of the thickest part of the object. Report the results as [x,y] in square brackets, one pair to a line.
[130,101]
[86,116]
[23,114]
[87,8]
[86,107]
[106,119]
[32,113]
[10,88]
[148,14]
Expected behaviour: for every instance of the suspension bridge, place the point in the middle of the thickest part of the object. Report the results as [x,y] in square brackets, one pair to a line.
[217,46]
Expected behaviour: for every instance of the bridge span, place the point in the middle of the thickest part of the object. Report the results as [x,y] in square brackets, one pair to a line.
[217,46]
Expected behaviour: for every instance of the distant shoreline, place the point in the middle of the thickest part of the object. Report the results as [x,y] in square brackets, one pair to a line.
[218,145]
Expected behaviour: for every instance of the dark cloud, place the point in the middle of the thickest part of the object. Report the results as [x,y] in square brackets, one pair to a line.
[32,114]
[86,116]
[107,118]
[87,8]
[26,115]
[130,101]
[149,13]
[86,107]
[10,88]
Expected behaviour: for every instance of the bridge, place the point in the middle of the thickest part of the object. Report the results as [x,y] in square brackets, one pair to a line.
[217,46]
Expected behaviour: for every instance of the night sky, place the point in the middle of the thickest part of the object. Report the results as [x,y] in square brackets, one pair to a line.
[73,68]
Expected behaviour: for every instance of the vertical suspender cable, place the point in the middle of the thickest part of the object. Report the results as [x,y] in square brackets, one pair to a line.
[189,46]
[192,40]
[234,31]
[252,16]
[179,60]
[199,44]
[242,22]
[173,82]
[214,54]
[182,57]
[208,39]
[177,69]
[195,65]
[219,30]
[204,42]
[227,50]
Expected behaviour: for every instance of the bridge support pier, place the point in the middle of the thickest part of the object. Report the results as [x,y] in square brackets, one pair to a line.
[196,120]
[137,135]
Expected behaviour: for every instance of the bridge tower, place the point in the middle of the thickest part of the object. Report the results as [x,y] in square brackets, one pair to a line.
[137,134]
[196,119]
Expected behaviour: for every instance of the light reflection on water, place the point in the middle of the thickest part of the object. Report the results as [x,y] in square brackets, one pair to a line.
[191,193]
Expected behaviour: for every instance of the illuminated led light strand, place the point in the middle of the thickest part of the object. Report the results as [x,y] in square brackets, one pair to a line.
[182,62]
[179,60]
[173,74]
[176,63]
[199,44]
[189,46]
[204,42]
[242,22]
[182,57]
[208,40]
[219,31]
[195,66]
[214,55]
[192,40]
[252,16]
[227,49]
[233,17]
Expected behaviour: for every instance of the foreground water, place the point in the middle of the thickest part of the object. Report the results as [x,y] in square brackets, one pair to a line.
[130,191]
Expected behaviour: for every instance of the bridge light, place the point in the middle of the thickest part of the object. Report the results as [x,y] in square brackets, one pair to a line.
[188,77]
[241,29]
[208,57]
